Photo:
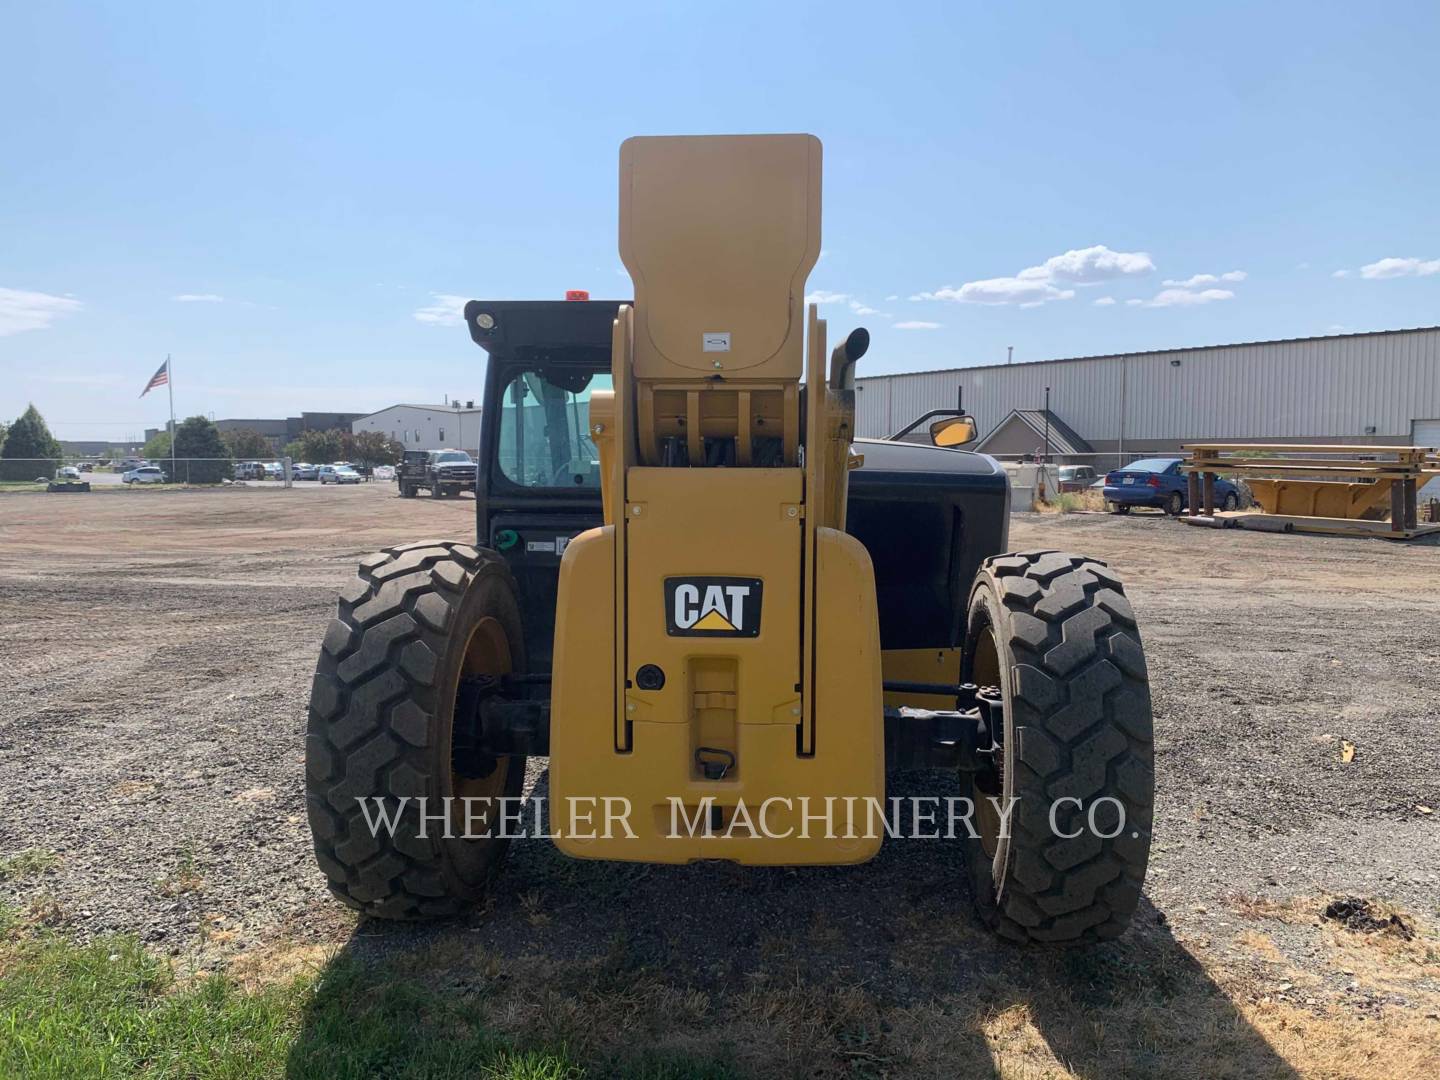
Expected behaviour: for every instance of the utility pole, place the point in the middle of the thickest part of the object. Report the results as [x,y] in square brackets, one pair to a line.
[1009,354]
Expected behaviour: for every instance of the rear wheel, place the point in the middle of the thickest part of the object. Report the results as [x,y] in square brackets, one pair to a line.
[382,712]
[1056,634]
[1232,501]
[1117,508]
[1174,504]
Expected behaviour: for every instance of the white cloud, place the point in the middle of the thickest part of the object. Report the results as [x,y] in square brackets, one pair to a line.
[893,296]
[1004,290]
[861,309]
[916,324]
[1134,303]
[1341,273]
[199,298]
[1036,285]
[822,296]
[1208,279]
[446,309]
[1090,266]
[22,310]
[1104,301]
[1393,268]
[1184,298]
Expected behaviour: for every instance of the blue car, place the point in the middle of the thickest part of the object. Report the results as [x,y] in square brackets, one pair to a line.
[1158,482]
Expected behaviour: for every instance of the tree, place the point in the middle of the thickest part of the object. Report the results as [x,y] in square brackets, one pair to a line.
[319,447]
[30,450]
[371,448]
[201,452]
[156,447]
[247,444]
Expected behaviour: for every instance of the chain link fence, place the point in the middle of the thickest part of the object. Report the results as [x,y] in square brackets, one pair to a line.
[194,471]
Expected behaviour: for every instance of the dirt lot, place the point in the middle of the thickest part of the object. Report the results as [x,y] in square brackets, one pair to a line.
[155,657]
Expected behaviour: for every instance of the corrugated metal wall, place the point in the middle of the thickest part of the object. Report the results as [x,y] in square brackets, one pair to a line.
[1335,386]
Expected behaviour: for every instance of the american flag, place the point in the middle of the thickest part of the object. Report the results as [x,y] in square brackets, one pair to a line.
[160,378]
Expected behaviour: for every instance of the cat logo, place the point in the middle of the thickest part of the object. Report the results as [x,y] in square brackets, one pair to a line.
[712,607]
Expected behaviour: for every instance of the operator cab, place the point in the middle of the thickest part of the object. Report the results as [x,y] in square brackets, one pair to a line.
[539,476]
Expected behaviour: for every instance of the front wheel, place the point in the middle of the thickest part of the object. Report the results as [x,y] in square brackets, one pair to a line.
[1056,634]
[381,727]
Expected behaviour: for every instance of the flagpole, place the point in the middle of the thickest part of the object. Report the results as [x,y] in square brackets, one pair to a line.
[170,382]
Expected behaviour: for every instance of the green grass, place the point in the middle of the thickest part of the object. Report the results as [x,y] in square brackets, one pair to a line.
[111,1009]
[29,863]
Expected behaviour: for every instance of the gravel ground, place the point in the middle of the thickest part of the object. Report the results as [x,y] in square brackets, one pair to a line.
[155,657]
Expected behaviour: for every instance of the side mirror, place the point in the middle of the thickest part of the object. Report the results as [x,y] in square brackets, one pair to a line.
[953,431]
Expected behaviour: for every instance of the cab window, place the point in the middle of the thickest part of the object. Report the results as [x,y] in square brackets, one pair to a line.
[545,428]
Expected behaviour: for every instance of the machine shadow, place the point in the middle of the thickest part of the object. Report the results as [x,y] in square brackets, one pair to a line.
[716,970]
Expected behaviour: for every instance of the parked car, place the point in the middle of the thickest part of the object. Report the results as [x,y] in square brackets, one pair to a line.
[274,470]
[1074,477]
[1159,482]
[86,466]
[383,472]
[304,471]
[145,474]
[67,472]
[338,474]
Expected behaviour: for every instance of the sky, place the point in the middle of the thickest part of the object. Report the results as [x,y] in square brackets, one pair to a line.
[293,199]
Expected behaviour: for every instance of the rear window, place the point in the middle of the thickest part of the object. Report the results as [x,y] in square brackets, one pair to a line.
[1153,464]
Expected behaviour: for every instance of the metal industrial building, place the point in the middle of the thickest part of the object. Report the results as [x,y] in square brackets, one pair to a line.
[426,427]
[1377,388]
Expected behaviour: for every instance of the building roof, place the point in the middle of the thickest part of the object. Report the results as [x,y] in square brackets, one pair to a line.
[1063,438]
[428,408]
[1160,352]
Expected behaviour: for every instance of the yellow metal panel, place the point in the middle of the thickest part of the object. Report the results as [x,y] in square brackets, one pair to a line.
[719,233]
[656,780]
[743,523]
[582,699]
[921,665]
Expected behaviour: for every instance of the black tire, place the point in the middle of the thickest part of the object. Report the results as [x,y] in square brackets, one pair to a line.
[436,491]
[1118,508]
[406,491]
[1174,504]
[381,714]
[1055,632]
[1232,502]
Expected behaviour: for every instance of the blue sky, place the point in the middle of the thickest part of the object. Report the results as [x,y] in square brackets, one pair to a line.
[288,197]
